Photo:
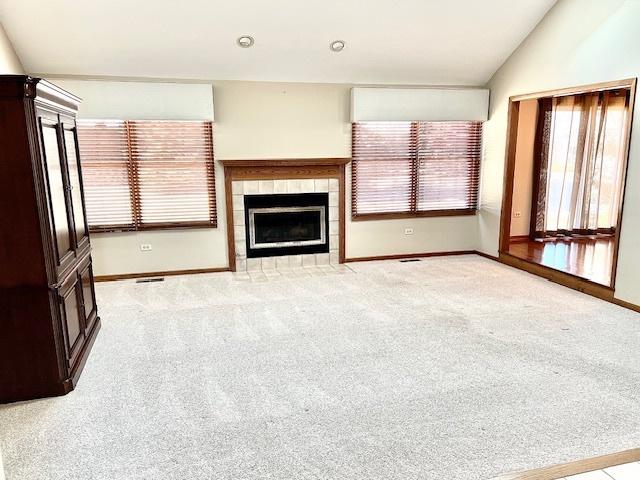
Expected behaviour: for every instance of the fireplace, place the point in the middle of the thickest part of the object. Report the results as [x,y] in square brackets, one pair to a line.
[284,213]
[286,224]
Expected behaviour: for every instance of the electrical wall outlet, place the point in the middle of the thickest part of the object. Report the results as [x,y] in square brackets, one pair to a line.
[517,214]
[145,247]
[408,231]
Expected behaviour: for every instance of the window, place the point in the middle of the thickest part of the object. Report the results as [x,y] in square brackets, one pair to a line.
[415,168]
[581,163]
[147,174]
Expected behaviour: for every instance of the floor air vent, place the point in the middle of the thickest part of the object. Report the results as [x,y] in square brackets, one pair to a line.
[150,280]
[410,260]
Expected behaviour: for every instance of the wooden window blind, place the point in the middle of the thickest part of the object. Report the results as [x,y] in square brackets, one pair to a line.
[106,174]
[415,168]
[141,174]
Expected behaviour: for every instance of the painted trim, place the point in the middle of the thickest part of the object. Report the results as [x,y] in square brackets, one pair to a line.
[167,273]
[574,468]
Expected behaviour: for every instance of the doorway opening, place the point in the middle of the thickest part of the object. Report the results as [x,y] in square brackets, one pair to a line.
[565,172]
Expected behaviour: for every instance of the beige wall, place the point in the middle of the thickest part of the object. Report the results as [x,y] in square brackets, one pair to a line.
[9,61]
[523,173]
[187,249]
[578,42]
[257,120]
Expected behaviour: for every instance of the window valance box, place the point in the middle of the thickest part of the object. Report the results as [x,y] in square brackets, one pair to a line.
[108,100]
[419,104]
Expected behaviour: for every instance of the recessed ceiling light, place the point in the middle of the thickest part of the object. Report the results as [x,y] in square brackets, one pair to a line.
[337,45]
[245,41]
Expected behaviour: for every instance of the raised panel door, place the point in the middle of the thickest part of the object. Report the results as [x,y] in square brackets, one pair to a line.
[75,186]
[73,322]
[57,187]
[88,295]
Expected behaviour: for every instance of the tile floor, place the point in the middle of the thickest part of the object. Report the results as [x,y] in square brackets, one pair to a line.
[628,471]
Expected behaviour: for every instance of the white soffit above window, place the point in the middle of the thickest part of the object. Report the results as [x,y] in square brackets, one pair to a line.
[413,104]
[141,100]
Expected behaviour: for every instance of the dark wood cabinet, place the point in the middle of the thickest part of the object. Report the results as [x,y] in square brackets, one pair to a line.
[48,313]
[75,184]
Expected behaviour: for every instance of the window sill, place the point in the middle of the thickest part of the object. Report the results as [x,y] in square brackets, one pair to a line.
[426,214]
[163,226]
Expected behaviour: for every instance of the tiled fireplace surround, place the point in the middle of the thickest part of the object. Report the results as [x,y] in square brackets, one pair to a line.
[240,188]
[255,177]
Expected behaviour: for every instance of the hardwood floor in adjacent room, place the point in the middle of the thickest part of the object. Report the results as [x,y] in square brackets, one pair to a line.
[589,258]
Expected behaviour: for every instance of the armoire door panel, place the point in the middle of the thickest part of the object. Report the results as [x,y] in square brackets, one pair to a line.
[72,318]
[88,294]
[56,186]
[75,186]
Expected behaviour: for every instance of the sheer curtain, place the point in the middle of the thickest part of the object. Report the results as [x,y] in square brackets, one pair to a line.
[581,158]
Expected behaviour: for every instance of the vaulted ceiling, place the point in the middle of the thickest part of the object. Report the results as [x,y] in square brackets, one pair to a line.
[457,42]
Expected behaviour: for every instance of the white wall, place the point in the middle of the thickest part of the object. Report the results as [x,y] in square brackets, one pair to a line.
[253,120]
[9,61]
[578,42]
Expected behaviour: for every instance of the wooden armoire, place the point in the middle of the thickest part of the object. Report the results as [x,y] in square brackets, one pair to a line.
[48,314]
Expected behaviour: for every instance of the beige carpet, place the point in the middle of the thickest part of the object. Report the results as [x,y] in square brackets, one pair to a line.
[448,368]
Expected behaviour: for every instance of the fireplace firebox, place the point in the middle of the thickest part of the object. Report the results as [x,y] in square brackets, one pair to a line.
[286,224]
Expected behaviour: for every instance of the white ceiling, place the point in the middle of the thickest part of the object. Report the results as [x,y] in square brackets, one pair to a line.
[456,42]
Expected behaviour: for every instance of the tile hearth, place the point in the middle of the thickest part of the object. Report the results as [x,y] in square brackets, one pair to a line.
[272,274]
[282,186]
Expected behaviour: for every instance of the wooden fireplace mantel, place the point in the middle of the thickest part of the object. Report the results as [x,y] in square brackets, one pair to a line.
[285,162]
[282,168]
